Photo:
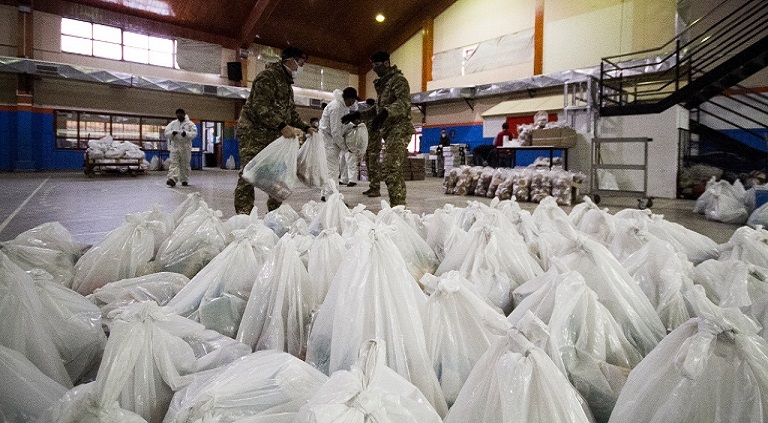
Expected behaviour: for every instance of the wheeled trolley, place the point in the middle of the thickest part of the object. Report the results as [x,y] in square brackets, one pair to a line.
[644,200]
[92,165]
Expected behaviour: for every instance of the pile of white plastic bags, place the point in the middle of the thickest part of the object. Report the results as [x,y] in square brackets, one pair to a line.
[325,314]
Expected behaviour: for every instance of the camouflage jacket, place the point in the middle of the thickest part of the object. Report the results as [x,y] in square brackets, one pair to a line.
[395,96]
[270,102]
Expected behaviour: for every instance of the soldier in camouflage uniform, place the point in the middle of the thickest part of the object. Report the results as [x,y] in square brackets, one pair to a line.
[268,113]
[372,155]
[391,120]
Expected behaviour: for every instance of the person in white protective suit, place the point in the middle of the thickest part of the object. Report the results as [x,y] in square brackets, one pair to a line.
[332,130]
[180,133]
[356,138]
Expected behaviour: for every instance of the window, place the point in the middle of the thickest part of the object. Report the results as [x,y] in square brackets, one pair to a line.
[75,129]
[113,43]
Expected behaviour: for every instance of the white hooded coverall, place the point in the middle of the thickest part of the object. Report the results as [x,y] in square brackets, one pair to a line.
[332,131]
[180,148]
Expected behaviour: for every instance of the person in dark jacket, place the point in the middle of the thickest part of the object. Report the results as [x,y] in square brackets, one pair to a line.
[445,140]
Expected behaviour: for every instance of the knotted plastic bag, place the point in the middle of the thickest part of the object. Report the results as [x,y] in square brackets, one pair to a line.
[273,170]
[312,166]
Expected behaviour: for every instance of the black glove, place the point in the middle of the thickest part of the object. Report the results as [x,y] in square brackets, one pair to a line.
[379,119]
[184,133]
[174,133]
[349,117]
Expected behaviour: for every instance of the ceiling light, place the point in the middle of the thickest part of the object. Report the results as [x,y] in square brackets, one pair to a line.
[380,18]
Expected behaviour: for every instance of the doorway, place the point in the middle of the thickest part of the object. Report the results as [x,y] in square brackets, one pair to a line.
[211,143]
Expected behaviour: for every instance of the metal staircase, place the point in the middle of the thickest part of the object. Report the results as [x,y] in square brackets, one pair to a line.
[698,64]
[741,139]
[700,69]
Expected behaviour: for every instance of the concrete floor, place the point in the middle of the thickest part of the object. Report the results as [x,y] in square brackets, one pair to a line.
[92,207]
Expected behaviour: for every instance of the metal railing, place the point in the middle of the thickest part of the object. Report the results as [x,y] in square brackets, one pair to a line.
[738,24]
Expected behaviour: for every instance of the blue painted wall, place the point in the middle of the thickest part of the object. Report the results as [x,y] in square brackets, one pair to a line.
[27,138]
[749,139]
[465,134]
[230,147]
[7,139]
[473,135]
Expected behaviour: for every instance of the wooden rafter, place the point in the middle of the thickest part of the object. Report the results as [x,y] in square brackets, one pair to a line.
[250,27]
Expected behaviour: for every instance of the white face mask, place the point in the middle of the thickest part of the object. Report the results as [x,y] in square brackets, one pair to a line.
[296,73]
[353,107]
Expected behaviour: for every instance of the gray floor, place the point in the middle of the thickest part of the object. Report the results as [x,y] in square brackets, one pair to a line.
[91,207]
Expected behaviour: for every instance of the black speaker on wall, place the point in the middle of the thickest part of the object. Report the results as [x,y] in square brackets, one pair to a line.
[234,71]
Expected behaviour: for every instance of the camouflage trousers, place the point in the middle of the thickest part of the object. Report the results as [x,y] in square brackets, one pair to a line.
[250,144]
[395,156]
[372,154]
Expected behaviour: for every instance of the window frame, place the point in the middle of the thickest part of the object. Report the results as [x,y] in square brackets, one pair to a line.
[122,46]
[80,142]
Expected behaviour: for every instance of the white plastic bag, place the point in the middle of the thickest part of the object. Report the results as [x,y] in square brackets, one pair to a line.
[607,181]
[615,289]
[194,242]
[356,139]
[495,262]
[266,386]
[121,255]
[23,328]
[442,232]
[281,219]
[277,315]
[749,245]
[368,392]
[710,370]
[564,317]
[312,167]
[696,246]
[387,304]
[73,323]
[230,163]
[190,204]
[415,251]
[736,284]
[325,257]
[50,247]
[155,163]
[158,287]
[216,296]
[459,327]
[273,170]
[333,214]
[151,354]
[83,405]
[759,216]
[26,392]
[516,382]
[663,274]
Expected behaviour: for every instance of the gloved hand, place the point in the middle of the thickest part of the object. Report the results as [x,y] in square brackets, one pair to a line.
[379,119]
[183,133]
[288,132]
[349,117]
[174,133]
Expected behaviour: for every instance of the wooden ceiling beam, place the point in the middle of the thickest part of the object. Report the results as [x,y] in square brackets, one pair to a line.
[262,9]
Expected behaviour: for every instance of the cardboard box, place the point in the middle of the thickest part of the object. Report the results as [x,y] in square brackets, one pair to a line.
[555,137]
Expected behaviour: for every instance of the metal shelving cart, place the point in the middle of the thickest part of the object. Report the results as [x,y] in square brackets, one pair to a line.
[644,201]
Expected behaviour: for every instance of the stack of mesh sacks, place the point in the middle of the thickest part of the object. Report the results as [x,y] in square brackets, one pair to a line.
[525,184]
